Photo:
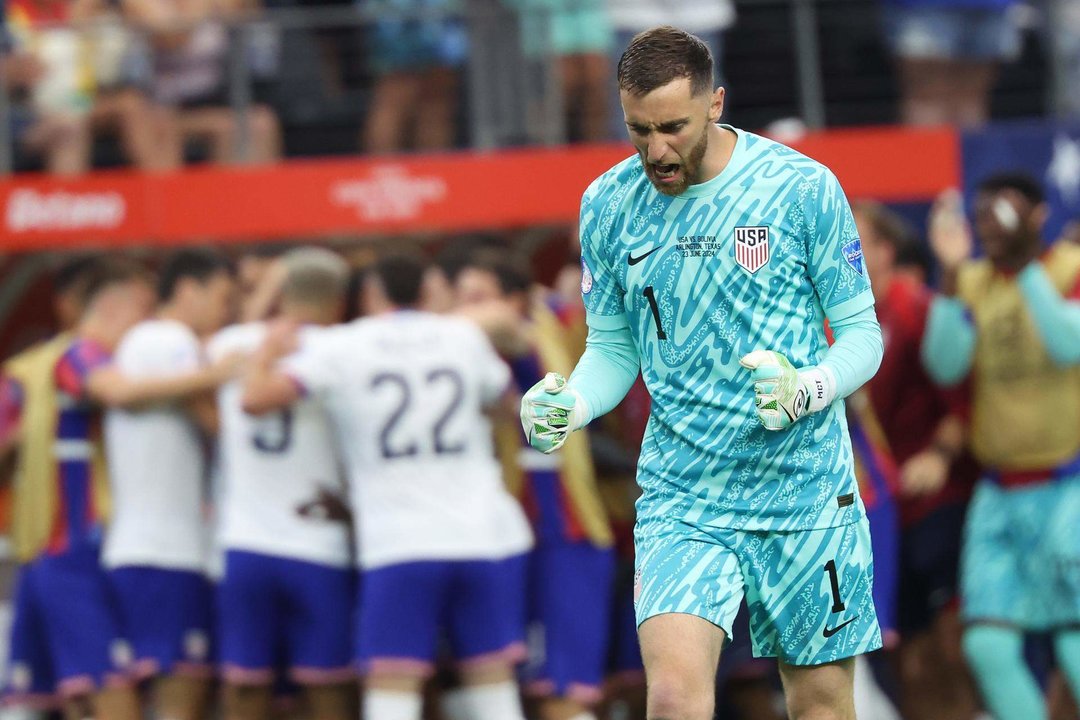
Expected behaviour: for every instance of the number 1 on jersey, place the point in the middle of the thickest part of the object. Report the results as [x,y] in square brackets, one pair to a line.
[651,297]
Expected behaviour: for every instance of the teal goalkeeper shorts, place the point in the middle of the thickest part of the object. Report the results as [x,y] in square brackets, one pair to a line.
[1021,558]
[808,592]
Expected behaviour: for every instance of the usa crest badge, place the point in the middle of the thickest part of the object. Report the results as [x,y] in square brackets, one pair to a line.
[752,247]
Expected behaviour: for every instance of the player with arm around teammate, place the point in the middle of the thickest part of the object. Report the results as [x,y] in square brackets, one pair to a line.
[288,583]
[156,546]
[711,262]
[440,542]
[62,492]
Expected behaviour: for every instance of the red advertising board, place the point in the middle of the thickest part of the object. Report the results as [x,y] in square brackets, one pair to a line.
[452,192]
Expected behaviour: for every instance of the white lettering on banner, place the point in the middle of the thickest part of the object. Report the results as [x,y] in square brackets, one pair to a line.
[28,210]
[389,194]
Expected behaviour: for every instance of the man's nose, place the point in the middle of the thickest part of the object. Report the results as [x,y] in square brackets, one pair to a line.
[657,149]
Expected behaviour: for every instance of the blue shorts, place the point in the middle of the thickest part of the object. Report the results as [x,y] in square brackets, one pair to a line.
[1021,557]
[809,592]
[952,33]
[624,664]
[478,604]
[930,566]
[167,617]
[402,44]
[885,540]
[65,637]
[275,611]
[30,681]
[570,588]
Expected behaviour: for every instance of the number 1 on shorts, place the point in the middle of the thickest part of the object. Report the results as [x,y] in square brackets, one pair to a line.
[838,604]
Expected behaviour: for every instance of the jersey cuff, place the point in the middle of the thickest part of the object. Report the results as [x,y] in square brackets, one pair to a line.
[301,388]
[848,308]
[606,322]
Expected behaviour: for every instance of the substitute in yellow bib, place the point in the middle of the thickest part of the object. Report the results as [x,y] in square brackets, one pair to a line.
[1009,324]
[572,567]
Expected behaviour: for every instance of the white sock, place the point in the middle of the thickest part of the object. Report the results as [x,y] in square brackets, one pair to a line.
[455,704]
[870,702]
[498,701]
[392,705]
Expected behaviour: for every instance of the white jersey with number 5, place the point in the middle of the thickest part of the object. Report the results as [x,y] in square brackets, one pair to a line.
[408,392]
[276,471]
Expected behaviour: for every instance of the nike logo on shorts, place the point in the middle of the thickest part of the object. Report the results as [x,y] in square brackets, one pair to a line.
[631,260]
[829,632]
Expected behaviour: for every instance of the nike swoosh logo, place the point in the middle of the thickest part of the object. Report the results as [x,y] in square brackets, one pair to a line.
[829,632]
[635,260]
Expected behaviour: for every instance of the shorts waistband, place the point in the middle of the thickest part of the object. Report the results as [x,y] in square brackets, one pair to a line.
[1025,478]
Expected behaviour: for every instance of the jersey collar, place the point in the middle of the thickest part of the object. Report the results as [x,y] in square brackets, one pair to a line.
[713,186]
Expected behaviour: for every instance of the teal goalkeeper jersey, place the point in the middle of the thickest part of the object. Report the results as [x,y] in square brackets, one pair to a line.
[756,258]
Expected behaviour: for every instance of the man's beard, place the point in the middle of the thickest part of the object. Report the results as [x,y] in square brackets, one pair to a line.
[690,168]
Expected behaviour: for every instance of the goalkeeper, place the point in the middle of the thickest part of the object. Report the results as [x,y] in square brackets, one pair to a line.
[710,263]
[1010,321]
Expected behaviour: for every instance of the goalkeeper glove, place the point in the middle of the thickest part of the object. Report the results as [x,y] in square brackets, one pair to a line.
[550,411]
[783,394]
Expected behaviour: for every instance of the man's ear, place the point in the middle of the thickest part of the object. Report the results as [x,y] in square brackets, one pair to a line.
[716,105]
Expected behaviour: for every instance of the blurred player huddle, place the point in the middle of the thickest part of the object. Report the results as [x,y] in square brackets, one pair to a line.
[136,567]
[146,501]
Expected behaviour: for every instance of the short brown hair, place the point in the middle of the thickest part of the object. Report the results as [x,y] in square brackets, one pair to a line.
[656,57]
[107,273]
[887,225]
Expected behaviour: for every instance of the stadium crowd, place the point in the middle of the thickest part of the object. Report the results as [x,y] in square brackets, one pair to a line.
[161,78]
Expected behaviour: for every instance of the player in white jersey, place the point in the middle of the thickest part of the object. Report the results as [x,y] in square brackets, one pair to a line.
[288,587]
[155,548]
[440,541]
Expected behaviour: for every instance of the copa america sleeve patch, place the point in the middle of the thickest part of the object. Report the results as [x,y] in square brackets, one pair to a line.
[853,254]
[586,278]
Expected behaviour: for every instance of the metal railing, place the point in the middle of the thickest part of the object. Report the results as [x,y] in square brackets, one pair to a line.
[512,97]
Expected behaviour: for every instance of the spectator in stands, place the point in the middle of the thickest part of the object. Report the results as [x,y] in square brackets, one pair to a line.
[1061,31]
[68,85]
[418,50]
[948,53]
[189,48]
[708,19]
[578,34]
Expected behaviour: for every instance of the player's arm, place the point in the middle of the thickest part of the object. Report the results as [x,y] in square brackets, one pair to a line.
[111,387]
[784,393]
[555,407]
[202,409]
[927,471]
[948,347]
[1057,318]
[267,386]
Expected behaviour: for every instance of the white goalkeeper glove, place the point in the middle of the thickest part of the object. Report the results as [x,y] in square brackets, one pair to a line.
[783,394]
[550,411]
